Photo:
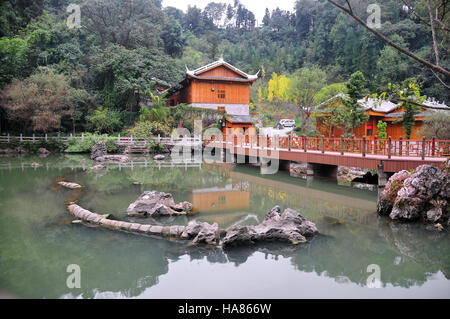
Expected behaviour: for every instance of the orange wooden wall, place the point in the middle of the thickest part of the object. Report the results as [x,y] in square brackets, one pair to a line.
[235,93]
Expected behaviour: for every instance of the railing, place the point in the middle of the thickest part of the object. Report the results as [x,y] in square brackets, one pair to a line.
[386,147]
[120,140]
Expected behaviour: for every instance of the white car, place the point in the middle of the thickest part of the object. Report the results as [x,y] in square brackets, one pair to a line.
[285,123]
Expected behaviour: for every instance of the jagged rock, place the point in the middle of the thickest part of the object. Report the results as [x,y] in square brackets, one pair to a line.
[300,170]
[159,157]
[203,233]
[98,150]
[389,194]
[417,190]
[43,151]
[158,204]
[290,226]
[348,174]
[422,194]
[113,159]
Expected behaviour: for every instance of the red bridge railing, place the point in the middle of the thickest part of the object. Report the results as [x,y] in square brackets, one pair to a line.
[386,147]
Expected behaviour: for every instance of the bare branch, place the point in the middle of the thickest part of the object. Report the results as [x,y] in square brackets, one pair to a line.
[430,65]
[433,33]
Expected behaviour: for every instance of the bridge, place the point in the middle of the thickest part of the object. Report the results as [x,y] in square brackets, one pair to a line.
[393,155]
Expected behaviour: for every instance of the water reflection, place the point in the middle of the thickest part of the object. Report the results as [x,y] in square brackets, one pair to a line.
[37,243]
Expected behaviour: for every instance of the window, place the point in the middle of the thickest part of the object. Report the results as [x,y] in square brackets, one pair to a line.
[221,94]
[369,130]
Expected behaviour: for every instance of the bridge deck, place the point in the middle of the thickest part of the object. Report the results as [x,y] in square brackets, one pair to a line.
[369,161]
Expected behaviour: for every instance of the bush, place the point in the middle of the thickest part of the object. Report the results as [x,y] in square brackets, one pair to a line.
[147,130]
[105,120]
[78,145]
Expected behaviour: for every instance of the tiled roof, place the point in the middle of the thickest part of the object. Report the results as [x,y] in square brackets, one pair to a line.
[217,63]
[376,105]
[240,119]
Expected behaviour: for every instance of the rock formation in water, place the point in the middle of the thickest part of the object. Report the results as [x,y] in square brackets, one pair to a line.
[289,226]
[99,153]
[70,185]
[422,194]
[156,204]
[98,150]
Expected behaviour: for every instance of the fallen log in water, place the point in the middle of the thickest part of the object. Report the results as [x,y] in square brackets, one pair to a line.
[92,218]
[70,185]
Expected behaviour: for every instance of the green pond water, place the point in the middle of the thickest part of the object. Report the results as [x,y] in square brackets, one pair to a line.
[38,240]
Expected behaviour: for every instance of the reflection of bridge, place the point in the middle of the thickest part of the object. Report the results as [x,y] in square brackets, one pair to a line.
[396,155]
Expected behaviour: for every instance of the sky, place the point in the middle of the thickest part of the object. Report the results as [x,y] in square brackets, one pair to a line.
[258,7]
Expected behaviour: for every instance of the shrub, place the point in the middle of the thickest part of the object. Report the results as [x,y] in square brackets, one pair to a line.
[147,130]
[78,145]
[105,120]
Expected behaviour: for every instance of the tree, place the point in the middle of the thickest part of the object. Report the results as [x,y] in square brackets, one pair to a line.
[437,125]
[130,23]
[266,19]
[104,120]
[173,38]
[40,101]
[305,85]
[352,114]
[437,19]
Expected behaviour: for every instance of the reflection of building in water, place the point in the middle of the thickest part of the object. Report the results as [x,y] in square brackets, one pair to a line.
[311,202]
[232,197]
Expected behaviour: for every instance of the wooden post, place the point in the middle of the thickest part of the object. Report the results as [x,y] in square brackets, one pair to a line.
[423,148]
[21,138]
[304,143]
[433,145]
[34,137]
[9,140]
[323,145]
[342,146]
[375,143]
[59,140]
[159,138]
[363,148]
[82,136]
[389,147]
[131,139]
[46,137]
[289,142]
[400,148]
[118,138]
[275,142]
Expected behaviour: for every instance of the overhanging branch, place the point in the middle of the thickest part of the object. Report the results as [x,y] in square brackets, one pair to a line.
[430,65]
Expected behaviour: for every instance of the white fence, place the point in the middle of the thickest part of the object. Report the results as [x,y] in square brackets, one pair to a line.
[120,140]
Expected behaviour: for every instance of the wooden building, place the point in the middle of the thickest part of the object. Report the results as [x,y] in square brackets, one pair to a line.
[237,125]
[216,86]
[377,110]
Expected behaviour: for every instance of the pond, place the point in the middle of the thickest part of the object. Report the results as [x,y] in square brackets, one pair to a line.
[38,240]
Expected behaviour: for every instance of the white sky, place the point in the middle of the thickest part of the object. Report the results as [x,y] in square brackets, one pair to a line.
[258,7]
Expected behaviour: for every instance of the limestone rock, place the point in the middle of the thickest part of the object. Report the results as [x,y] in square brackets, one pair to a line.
[423,194]
[300,170]
[113,159]
[98,150]
[70,185]
[202,233]
[348,174]
[159,157]
[43,151]
[158,204]
[289,226]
